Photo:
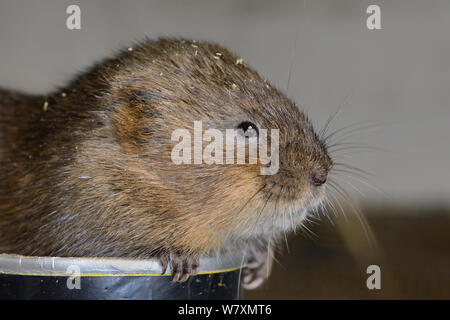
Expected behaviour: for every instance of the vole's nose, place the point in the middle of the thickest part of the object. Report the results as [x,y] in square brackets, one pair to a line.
[318,179]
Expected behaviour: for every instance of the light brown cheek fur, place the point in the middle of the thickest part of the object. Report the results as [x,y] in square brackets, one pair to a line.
[180,216]
[215,214]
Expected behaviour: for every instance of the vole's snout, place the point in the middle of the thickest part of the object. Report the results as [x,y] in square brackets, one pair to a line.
[318,179]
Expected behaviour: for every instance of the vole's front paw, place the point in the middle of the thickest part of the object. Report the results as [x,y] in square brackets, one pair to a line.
[258,268]
[182,266]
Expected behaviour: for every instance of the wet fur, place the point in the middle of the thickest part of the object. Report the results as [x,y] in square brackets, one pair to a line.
[92,175]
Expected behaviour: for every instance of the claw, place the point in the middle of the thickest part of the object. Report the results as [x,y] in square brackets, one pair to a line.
[184,277]
[163,261]
[181,266]
[258,268]
[176,277]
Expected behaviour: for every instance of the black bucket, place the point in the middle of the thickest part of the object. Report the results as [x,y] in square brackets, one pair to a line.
[111,278]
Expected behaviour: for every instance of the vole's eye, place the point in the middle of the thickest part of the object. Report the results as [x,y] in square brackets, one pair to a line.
[248,129]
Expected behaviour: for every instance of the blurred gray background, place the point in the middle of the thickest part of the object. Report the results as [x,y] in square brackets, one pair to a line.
[397,78]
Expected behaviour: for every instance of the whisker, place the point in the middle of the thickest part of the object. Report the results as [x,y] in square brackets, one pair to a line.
[327,123]
[240,271]
[308,232]
[355,188]
[352,153]
[326,214]
[334,116]
[336,200]
[362,179]
[293,226]
[276,260]
[285,237]
[267,262]
[364,224]
[332,206]
[349,173]
[352,145]
[351,167]
[248,201]
[352,128]
[292,61]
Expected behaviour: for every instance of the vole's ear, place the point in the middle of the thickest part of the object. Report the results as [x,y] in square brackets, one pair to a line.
[132,116]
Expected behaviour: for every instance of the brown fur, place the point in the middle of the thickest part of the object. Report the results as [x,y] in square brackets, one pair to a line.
[91,175]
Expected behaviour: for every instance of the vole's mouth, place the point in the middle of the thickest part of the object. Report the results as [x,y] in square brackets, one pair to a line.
[281,209]
[297,195]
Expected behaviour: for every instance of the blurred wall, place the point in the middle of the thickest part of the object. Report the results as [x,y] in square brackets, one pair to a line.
[397,78]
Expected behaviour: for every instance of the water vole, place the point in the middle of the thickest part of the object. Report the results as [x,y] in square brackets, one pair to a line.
[87,170]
